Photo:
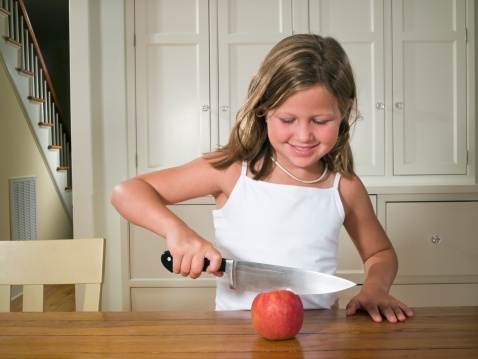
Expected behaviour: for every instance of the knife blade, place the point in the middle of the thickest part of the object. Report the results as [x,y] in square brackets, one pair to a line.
[260,277]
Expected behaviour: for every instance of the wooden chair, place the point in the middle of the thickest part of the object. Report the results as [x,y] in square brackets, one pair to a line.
[64,261]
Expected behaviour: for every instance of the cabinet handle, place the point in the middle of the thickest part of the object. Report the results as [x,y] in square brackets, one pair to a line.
[436,239]
[380,106]
[399,105]
[205,108]
[224,108]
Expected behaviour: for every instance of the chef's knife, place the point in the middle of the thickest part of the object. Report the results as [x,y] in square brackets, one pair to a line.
[259,277]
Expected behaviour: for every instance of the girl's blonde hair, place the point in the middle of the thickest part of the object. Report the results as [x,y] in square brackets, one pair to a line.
[294,64]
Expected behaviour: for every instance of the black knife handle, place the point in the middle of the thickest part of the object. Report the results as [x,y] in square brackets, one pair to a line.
[167,261]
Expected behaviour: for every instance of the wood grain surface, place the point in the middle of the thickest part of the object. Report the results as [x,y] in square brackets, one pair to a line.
[450,332]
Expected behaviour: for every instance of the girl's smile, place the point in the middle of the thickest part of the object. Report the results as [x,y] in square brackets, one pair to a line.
[303,129]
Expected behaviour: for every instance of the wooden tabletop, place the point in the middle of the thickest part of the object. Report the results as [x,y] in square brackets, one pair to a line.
[450,332]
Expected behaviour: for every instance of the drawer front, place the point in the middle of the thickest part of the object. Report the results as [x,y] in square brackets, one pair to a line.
[172,299]
[436,242]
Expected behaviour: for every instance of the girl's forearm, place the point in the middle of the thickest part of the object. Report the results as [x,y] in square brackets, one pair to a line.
[381,269]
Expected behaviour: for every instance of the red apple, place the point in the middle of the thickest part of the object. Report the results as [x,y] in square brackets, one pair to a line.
[277,315]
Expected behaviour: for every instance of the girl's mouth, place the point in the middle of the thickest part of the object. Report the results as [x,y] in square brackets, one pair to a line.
[303,150]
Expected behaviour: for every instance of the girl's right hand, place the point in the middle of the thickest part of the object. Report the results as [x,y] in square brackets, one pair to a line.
[189,250]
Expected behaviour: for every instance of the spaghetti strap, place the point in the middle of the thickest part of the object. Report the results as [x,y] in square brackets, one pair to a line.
[244,168]
[336,180]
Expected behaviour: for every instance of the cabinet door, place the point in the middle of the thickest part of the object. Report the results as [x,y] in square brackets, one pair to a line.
[172,82]
[358,25]
[429,87]
[247,30]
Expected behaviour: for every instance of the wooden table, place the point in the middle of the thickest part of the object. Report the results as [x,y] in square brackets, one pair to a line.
[431,333]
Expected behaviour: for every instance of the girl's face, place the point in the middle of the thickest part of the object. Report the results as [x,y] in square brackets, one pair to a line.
[304,129]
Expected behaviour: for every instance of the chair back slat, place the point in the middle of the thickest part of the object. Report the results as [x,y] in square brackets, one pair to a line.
[35,263]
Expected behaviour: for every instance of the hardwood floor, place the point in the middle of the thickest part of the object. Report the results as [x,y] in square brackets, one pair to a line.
[58,298]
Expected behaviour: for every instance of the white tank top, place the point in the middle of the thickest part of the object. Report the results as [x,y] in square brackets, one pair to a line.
[278,224]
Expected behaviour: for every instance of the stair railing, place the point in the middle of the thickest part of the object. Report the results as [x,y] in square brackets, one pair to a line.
[20,33]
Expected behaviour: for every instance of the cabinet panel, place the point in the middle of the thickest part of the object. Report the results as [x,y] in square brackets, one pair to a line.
[172,82]
[429,87]
[247,16]
[450,257]
[173,299]
[358,25]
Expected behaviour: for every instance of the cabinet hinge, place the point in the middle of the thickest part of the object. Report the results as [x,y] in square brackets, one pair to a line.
[136,161]
[466,35]
[134,40]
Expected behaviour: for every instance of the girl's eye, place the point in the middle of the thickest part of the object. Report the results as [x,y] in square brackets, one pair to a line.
[287,120]
[317,122]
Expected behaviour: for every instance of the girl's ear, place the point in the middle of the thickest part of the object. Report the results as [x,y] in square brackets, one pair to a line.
[350,103]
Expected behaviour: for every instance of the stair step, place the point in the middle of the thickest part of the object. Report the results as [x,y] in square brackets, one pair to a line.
[35,99]
[12,41]
[5,11]
[45,124]
[24,71]
[63,168]
[52,147]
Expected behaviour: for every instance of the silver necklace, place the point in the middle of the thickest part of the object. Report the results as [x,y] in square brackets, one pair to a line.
[297,179]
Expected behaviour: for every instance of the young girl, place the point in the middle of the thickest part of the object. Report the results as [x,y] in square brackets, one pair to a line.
[283,185]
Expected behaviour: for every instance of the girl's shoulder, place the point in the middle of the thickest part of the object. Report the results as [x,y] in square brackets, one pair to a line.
[353,193]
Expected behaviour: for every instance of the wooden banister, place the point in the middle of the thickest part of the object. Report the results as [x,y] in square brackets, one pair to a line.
[45,71]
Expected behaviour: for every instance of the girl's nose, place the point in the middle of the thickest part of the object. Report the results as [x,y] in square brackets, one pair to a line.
[304,132]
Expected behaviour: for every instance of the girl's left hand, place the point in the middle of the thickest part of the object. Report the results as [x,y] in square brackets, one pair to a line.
[378,303]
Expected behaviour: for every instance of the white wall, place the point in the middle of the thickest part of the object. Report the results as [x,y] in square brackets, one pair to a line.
[98,127]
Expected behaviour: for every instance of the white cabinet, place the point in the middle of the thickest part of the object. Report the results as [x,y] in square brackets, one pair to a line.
[194,61]
[410,59]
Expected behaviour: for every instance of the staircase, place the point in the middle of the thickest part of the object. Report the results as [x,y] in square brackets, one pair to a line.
[21,57]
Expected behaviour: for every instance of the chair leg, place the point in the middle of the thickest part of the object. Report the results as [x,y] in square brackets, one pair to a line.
[5,297]
[92,296]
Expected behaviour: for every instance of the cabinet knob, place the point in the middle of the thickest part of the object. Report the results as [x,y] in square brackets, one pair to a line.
[205,108]
[436,239]
[380,106]
[224,108]
[399,105]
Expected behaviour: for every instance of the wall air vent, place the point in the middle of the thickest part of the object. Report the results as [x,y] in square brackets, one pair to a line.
[23,208]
